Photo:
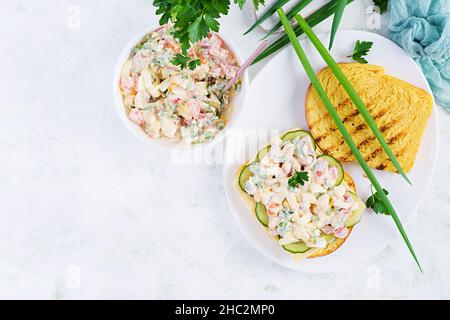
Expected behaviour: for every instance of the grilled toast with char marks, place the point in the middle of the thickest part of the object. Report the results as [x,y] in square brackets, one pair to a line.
[400,110]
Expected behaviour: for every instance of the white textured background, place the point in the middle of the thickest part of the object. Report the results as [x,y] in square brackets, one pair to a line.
[88,211]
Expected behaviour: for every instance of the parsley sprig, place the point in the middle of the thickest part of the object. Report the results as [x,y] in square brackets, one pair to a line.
[299,178]
[361,50]
[184,61]
[382,4]
[192,21]
[375,202]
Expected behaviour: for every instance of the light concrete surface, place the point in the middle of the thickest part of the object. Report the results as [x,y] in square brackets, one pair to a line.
[88,211]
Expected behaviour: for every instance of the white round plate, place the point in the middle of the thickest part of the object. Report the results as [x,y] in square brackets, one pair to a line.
[277,101]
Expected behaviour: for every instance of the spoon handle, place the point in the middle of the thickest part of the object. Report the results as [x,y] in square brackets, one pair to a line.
[246,64]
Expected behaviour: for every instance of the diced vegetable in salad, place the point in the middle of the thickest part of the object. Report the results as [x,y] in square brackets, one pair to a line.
[167,101]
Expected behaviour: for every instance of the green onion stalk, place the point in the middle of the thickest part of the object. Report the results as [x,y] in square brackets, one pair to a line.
[269,12]
[339,123]
[360,105]
[314,19]
[296,9]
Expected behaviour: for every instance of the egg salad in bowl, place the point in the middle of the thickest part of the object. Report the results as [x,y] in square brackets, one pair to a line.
[175,104]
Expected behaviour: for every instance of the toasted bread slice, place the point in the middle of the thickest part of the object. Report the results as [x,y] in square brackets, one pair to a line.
[400,110]
[313,252]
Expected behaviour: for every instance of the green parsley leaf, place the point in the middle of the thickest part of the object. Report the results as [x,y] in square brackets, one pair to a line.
[382,4]
[376,203]
[212,23]
[180,60]
[193,64]
[240,3]
[194,19]
[198,30]
[184,60]
[361,50]
[299,178]
[257,3]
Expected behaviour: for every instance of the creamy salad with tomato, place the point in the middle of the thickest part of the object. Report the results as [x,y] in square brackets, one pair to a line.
[167,101]
[304,194]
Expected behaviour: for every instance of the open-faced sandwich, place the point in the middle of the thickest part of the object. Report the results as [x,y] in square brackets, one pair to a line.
[301,197]
[400,110]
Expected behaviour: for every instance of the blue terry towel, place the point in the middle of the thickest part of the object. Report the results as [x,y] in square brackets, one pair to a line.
[422,28]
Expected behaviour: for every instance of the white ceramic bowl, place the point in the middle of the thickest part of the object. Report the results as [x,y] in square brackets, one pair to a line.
[237,104]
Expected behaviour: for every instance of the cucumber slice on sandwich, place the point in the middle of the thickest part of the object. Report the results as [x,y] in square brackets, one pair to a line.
[244,176]
[334,163]
[298,134]
[246,173]
[298,247]
[262,153]
[301,247]
[261,214]
[355,216]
